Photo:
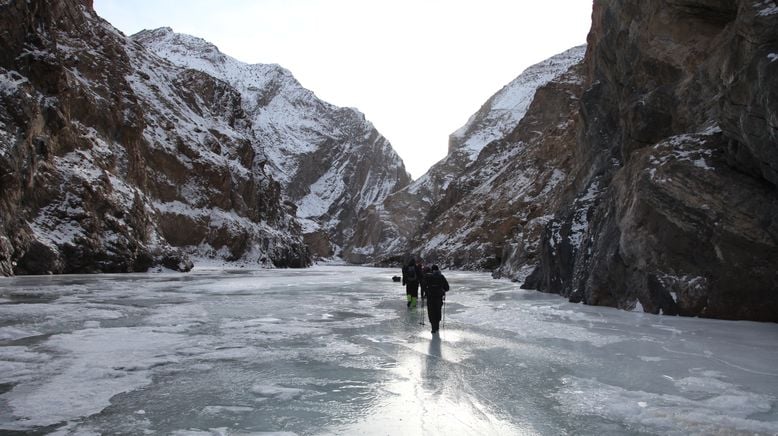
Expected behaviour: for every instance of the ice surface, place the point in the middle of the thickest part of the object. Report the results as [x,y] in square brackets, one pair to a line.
[334,350]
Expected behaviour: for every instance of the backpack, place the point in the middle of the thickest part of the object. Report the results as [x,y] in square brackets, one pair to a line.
[436,285]
[410,273]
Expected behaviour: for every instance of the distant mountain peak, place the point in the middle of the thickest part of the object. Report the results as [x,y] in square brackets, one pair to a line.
[182,41]
[507,107]
[330,160]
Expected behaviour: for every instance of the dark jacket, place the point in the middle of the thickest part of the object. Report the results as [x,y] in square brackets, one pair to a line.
[411,274]
[425,270]
[436,284]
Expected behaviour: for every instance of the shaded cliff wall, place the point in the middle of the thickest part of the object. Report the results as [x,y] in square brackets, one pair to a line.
[677,206]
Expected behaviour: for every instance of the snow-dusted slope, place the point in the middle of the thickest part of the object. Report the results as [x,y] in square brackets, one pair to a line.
[503,111]
[268,92]
[498,117]
[331,161]
[133,160]
[493,214]
[437,217]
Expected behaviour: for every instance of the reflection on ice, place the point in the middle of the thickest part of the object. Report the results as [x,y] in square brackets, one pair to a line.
[334,350]
[426,394]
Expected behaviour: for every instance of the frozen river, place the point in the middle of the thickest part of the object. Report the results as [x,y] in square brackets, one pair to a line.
[334,350]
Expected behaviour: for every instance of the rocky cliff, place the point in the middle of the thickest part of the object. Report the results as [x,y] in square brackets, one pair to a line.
[642,177]
[112,159]
[331,162]
[516,158]
[678,147]
[485,204]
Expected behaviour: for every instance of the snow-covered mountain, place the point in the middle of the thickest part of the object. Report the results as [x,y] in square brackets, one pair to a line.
[118,156]
[641,177]
[470,207]
[519,177]
[504,110]
[331,161]
[114,159]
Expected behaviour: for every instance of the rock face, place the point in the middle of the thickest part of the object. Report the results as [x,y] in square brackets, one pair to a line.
[678,210]
[112,159]
[643,177]
[515,180]
[486,201]
[331,162]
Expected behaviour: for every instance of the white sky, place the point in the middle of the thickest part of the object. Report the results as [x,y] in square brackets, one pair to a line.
[417,68]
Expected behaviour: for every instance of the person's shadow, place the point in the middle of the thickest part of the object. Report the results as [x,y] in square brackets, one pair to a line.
[433,366]
[434,350]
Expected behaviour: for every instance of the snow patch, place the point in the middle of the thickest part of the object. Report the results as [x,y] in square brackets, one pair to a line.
[687,147]
[323,194]
[580,224]
[101,363]
[276,392]
[508,106]
[766,8]
[11,81]
[54,232]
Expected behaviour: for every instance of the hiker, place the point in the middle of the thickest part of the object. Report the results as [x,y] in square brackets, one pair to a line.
[411,279]
[424,271]
[436,287]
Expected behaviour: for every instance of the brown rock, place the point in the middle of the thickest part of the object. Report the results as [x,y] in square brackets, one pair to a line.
[104,167]
[683,217]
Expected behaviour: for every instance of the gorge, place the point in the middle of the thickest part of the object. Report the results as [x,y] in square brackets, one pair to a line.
[639,171]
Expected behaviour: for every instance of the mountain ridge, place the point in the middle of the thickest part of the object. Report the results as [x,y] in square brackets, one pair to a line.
[477,152]
[310,143]
[642,177]
[116,160]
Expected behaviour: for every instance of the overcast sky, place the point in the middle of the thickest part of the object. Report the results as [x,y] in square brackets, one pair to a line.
[417,68]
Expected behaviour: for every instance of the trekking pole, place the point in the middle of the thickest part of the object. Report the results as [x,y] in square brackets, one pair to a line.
[443,322]
[422,311]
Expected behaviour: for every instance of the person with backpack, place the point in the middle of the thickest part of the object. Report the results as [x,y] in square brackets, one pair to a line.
[411,279]
[436,286]
[424,271]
